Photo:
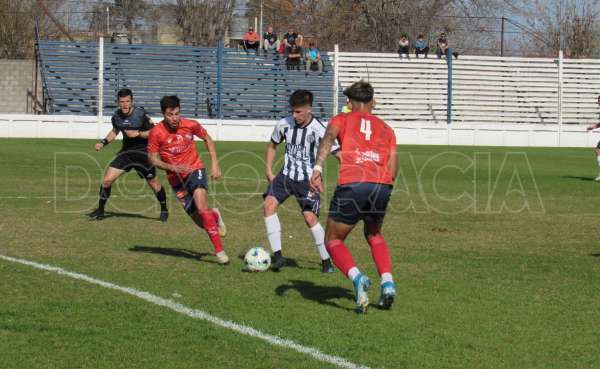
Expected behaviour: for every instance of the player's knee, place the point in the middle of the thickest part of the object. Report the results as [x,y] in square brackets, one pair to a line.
[310,219]
[269,206]
[107,182]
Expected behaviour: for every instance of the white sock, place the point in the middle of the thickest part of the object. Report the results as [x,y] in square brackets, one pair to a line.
[318,234]
[353,273]
[386,277]
[273,232]
[598,159]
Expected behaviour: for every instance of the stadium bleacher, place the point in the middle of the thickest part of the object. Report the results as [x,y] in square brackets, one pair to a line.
[247,86]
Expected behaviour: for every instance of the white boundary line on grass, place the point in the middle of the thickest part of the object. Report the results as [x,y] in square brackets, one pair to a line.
[197,314]
[47,197]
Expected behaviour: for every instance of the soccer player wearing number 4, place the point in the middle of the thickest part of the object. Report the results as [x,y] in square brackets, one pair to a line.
[302,133]
[367,170]
[171,147]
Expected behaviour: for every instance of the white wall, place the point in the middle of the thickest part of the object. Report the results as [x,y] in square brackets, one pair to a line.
[54,126]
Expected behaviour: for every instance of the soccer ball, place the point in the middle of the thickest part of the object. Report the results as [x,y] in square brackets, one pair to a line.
[257,259]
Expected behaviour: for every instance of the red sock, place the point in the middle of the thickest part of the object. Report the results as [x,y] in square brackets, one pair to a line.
[340,255]
[380,253]
[215,215]
[210,226]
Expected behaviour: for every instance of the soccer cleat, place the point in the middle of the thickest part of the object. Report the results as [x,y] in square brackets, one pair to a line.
[97,214]
[221,227]
[387,295]
[277,261]
[361,286]
[164,215]
[326,266]
[222,258]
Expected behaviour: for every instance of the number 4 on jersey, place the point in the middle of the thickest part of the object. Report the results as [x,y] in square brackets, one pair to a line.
[365,127]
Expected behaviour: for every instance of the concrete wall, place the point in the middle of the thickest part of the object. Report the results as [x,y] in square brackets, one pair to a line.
[532,135]
[16,77]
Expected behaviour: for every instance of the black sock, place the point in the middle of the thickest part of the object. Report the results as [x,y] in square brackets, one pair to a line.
[103,197]
[161,196]
[277,254]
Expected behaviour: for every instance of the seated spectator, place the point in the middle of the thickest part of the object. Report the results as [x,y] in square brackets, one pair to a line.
[403,47]
[421,47]
[251,41]
[443,46]
[292,38]
[270,41]
[294,57]
[313,59]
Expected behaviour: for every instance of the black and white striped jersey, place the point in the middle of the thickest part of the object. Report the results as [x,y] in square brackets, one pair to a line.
[301,146]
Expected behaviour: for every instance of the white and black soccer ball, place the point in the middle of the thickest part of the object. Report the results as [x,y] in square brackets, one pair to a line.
[257,259]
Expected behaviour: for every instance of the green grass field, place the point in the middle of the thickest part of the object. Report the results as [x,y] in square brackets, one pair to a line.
[495,252]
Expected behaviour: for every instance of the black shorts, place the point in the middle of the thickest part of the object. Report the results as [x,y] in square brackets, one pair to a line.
[355,201]
[184,190]
[283,187]
[134,159]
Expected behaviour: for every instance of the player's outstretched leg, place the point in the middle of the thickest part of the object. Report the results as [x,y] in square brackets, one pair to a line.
[318,234]
[161,196]
[221,227]
[104,194]
[273,227]
[381,256]
[210,226]
[343,261]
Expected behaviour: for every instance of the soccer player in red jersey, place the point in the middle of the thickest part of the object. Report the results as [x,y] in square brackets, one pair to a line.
[367,171]
[171,147]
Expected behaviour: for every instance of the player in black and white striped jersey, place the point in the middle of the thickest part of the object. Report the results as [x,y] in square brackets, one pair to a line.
[302,133]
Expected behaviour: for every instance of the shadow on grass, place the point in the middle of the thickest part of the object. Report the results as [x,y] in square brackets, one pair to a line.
[579,178]
[290,263]
[170,251]
[595,254]
[321,294]
[111,214]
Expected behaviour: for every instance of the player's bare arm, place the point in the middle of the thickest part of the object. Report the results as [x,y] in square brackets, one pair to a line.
[110,136]
[393,164]
[155,161]
[593,126]
[269,159]
[215,171]
[324,149]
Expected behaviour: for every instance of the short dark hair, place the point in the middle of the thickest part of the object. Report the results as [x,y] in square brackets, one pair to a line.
[301,98]
[124,92]
[420,36]
[169,102]
[360,91]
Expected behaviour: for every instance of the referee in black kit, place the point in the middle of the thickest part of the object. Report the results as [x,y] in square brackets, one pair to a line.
[134,124]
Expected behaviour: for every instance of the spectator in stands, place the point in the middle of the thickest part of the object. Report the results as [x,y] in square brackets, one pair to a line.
[251,40]
[292,38]
[313,59]
[404,47]
[443,47]
[294,57]
[421,47]
[270,41]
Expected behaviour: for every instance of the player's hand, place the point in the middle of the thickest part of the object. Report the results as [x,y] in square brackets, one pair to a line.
[316,183]
[180,168]
[99,146]
[589,128]
[215,172]
[270,176]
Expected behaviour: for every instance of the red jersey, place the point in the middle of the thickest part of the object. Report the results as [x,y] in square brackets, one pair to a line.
[366,143]
[176,146]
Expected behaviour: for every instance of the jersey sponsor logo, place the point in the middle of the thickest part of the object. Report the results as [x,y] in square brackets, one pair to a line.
[366,156]
[296,151]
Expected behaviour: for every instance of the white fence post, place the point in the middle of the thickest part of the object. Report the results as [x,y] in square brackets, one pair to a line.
[336,78]
[560,95]
[100,82]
